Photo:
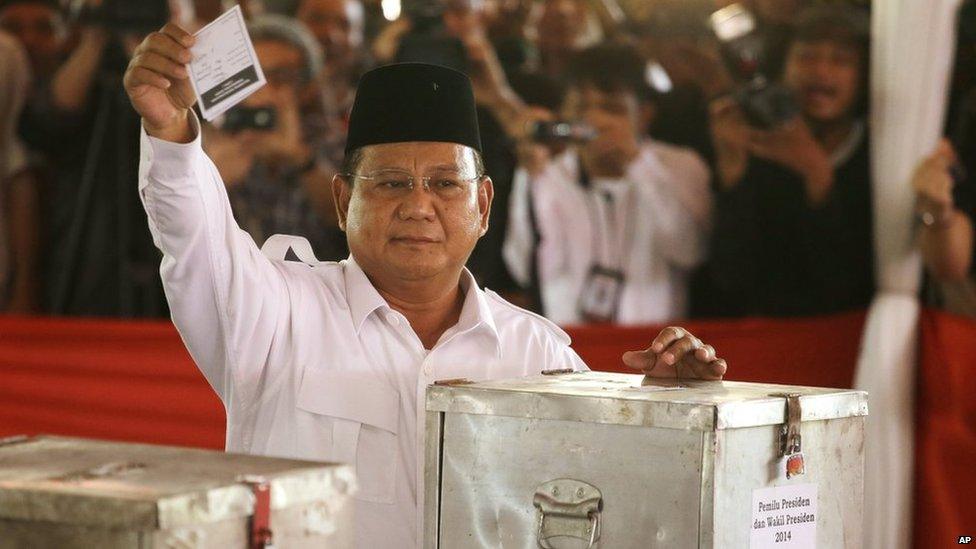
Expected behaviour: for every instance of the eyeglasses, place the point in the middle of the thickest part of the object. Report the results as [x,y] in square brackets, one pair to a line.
[398,184]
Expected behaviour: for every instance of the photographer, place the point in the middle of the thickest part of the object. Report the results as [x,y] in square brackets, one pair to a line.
[98,257]
[621,219]
[270,150]
[793,229]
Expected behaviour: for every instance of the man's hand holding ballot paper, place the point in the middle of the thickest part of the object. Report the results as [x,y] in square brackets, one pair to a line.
[330,361]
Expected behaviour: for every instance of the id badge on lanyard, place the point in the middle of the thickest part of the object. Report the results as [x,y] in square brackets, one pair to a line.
[600,297]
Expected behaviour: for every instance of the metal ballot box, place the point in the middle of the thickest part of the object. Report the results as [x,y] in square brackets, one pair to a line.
[70,493]
[618,461]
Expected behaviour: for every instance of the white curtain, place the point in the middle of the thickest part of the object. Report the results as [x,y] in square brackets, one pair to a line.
[912,51]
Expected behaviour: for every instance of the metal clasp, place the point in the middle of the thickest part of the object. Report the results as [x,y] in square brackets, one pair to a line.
[570,508]
[790,440]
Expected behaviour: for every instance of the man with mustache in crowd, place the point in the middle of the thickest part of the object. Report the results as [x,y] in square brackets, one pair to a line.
[792,229]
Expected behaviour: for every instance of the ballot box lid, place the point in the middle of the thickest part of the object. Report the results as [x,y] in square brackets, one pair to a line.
[148,487]
[627,399]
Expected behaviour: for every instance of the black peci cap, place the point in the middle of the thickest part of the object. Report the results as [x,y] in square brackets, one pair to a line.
[413,102]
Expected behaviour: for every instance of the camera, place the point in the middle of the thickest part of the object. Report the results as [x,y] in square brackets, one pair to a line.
[562,131]
[242,118]
[140,16]
[765,103]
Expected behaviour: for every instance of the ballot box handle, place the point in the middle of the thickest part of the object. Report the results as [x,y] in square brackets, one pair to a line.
[567,508]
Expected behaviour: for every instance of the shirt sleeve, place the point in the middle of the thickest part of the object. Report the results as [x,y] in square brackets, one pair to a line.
[574,360]
[227,299]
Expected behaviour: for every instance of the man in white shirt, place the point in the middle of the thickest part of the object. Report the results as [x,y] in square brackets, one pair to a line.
[618,222]
[330,361]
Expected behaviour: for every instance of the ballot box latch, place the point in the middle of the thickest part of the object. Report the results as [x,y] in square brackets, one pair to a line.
[567,508]
[790,440]
[260,534]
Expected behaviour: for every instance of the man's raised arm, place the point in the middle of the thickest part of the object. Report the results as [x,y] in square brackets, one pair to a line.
[226,298]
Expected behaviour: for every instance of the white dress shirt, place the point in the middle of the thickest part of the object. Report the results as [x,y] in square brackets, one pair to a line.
[309,360]
[652,225]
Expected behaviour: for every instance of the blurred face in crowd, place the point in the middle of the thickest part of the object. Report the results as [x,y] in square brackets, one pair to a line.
[826,76]
[39,28]
[618,116]
[282,64]
[398,231]
[338,27]
[561,23]
[283,93]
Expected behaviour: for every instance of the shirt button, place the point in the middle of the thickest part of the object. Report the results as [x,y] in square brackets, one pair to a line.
[427,369]
[393,319]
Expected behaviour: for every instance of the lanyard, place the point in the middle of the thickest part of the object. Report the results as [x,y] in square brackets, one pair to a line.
[618,256]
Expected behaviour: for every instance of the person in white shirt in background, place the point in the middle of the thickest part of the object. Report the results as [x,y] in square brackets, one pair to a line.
[330,361]
[618,222]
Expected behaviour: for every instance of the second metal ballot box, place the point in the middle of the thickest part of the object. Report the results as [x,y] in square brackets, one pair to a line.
[618,461]
[71,493]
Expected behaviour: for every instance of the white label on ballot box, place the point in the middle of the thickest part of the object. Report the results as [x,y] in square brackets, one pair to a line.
[784,516]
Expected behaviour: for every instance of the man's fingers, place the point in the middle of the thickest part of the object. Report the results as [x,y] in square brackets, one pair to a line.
[714,369]
[677,351]
[160,64]
[667,336]
[705,353]
[166,45]
[178,34]
[141,76]
[182,94]
[639,360]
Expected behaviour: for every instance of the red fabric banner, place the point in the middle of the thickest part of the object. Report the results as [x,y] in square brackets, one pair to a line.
[945,431]
[135,381]
[131,381]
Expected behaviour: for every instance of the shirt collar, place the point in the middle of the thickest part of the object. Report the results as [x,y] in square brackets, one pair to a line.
[475,312]
[363,299]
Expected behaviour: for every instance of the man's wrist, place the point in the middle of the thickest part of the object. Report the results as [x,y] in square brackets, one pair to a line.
[179,130]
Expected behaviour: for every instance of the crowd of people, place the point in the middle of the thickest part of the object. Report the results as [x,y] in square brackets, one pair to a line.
[645,165]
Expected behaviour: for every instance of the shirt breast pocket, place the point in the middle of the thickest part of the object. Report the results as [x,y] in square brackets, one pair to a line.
[364,414]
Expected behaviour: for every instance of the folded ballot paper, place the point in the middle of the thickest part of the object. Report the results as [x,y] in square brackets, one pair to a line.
[225,68]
